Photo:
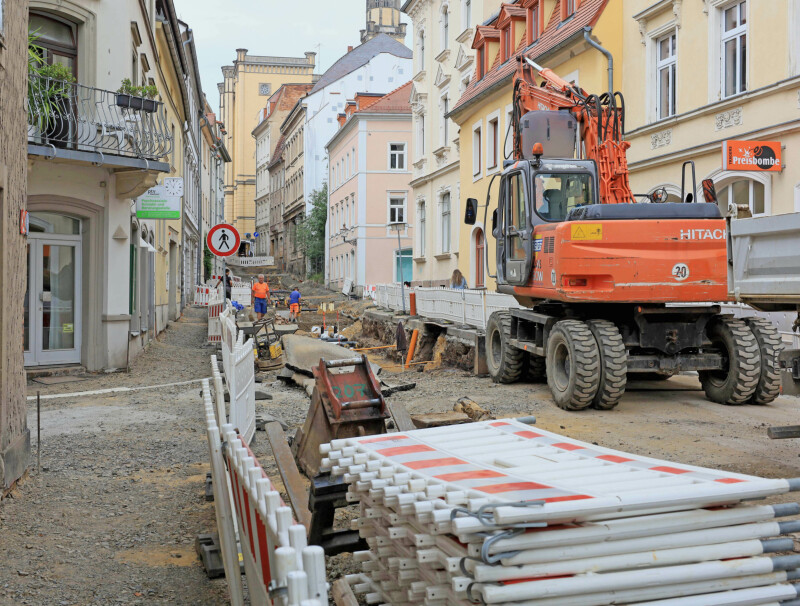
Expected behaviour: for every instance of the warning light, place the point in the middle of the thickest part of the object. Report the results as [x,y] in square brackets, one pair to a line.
[538,150]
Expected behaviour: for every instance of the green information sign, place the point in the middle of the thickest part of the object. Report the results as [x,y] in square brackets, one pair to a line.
[156,204]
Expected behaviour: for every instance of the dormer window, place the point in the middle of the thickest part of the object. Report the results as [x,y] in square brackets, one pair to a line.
[532,22]
[507,35]
[481,62]
[568,8]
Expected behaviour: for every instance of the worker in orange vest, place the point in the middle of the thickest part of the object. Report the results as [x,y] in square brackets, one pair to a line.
[260,296]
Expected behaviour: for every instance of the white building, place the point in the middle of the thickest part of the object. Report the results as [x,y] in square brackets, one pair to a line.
[379,65]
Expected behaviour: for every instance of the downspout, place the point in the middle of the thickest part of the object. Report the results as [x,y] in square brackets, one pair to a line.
[587,36]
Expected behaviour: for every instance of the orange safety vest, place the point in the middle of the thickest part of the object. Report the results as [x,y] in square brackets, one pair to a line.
[261,291]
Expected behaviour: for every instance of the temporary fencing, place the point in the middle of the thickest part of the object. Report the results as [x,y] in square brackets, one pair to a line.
[239,367]
[241,293]
[281,568]
[262,261]
[461,306]
[501,512]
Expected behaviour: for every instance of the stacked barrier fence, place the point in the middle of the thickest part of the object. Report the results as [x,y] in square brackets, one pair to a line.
[500,512]
[262,261]
[239,368]
[241,293]
[280,567]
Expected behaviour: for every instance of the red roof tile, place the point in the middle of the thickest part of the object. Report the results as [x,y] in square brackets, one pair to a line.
[554,34]
[396,102]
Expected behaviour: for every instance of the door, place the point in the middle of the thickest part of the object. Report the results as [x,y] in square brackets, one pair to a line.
[52,304]
[516,229]
[403,266]
[480,250]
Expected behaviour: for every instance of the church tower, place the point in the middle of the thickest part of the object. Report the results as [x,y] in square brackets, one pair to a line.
[383,17]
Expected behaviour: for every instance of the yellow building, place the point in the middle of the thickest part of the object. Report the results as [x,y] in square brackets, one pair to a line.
[247,85]
[551,32]
[700,73]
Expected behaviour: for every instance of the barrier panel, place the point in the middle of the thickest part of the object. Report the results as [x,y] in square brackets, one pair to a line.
[500,512]
[242,388]
[250,261]
[202,295]
[214,323]
[241,292]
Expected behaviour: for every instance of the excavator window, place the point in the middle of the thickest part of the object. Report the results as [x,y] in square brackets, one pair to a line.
[517,215]
[558,193]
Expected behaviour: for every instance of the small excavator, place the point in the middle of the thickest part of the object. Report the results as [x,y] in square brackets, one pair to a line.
[610,283]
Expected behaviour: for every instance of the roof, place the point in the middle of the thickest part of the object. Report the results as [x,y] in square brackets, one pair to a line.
[283,99]
[360,56]
[555,33]
[277,157]
[396,102]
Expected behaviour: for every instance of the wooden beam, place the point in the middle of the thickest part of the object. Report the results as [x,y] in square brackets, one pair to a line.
[402,420]
[290,474]
[342,594]
[784,431]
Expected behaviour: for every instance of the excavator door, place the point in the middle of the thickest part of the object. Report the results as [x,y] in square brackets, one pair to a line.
[515,244]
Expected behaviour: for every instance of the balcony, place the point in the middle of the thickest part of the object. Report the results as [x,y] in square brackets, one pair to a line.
[80,123]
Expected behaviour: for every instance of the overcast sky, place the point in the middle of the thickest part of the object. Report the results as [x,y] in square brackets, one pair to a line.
[271,27]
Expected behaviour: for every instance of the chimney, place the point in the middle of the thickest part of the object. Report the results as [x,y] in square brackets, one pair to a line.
[342,119]
[350,48]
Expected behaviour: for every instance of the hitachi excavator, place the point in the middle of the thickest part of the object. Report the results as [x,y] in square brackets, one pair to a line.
[610,283]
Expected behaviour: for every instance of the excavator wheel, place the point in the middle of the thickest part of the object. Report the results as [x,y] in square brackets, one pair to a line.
[573,365]
[535,369]
[613,364]
[503,360]
[771,346]
[737,383]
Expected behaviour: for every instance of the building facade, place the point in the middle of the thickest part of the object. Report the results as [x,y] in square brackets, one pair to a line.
[383,17]
[266,134]
[212,184]
[247,84]
[294,202]
[377,66]
[551,33]
[277,179]
[443,67]
[713,71]
[369,192]
[15,443]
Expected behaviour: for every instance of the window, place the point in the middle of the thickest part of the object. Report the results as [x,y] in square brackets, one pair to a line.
[445,27]
[480,247]
[421,51]
[397,209]
[533,24]
[397,156]
[466,10]
[665,68]
[464,84]
[734,49]
[569,8]
[421,235]
[506,35]
[481,62]
[347,167]
[746,192]
[58,41]
[508,141]
[517,216]
[403,268]
[476,151]
[353,161]
[444,222]
[493,141]
[421,135]
[558,193]
[445,121]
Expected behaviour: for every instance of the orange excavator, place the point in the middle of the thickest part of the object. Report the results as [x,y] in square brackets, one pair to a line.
[609,283]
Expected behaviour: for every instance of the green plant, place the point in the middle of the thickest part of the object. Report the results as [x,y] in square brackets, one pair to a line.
[128,88]
[49,85]
[311,232]
[208,260]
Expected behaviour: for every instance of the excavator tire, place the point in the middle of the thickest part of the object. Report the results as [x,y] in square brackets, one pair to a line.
[573,365]
[503,360]
[771,346]
[613,364]
[535,369]
[737,383]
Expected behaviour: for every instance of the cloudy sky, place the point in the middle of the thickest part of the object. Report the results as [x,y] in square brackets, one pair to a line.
[270,27]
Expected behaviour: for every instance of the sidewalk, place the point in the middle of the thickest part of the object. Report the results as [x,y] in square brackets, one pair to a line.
[112,517]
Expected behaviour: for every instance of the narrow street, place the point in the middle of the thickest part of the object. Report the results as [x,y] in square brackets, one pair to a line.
[113,514]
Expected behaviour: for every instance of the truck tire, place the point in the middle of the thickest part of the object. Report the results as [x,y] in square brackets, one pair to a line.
[503,360]
[737,383]
[535,369]
[770,345]
[613,364]
[573,365]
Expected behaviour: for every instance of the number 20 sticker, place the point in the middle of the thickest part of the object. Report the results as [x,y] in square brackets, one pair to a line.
[680,272]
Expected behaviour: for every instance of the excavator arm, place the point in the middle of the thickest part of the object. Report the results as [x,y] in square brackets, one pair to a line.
[600,124]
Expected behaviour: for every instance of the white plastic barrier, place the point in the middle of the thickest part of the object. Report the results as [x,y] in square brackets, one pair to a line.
[241,293]
[263,261]
[242,388]
[214,324]
[447,514]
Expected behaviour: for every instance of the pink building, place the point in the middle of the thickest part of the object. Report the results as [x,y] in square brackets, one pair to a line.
[368,192]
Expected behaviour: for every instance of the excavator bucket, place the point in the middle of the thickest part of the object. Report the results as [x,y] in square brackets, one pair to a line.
[346,403]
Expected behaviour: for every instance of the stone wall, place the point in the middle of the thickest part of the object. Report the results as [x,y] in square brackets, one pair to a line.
[14,434]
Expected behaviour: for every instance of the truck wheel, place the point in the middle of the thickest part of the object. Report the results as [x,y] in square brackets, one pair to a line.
[770,345]
[737,382]
[503,360]
[613,364]
[535,369]
[573,365]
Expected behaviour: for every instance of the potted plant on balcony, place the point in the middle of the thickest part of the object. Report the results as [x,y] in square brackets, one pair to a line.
[137,97]
[50,89]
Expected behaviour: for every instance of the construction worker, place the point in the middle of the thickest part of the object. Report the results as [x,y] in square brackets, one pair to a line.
[260,296]
[294,305]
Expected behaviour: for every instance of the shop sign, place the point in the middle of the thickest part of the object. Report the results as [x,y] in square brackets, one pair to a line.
[156,203]
[751,155]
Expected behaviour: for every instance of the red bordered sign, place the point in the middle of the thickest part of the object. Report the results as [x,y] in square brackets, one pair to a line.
[223,240]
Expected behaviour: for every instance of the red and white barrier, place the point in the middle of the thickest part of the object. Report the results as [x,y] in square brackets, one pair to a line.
[214,323]
[504,513]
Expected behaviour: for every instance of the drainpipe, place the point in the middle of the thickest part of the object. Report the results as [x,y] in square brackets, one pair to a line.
[587,31]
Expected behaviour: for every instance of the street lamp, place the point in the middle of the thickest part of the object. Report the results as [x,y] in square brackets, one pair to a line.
[400,226]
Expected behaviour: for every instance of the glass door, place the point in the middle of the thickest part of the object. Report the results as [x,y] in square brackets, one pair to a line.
[53,306]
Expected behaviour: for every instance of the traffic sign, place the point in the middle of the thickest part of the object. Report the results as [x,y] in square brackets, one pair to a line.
[223,240]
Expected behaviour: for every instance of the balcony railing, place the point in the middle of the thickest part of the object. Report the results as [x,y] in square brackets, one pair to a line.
[71,116]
